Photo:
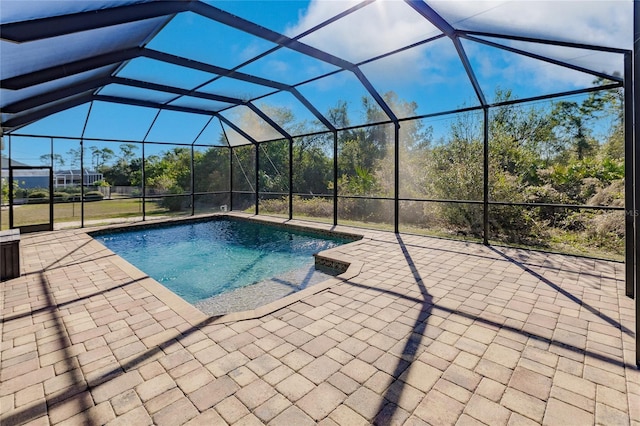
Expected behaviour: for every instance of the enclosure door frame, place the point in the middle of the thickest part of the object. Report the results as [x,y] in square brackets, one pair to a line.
[35,227]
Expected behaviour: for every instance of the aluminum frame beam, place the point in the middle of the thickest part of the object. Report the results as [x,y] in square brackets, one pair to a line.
[101,82]
[268,119]
[439,22]
[546,41]
[160,107]
[70,68]
[175,90]
[237,75]
[543,58]
[54,26]
[249,27]
[67,24]
[25,119]
[115,59]
[149,104]
[56,95]
[237,129]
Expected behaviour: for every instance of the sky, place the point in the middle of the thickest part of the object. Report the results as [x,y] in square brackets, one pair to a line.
[430,74]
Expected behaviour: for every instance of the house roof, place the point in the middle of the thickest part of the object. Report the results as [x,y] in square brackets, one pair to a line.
[4,162]
[76,172]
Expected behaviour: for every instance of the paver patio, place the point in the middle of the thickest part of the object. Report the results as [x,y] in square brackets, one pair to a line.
[430,331]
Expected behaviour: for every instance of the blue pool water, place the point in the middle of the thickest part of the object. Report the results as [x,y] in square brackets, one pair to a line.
[198,260]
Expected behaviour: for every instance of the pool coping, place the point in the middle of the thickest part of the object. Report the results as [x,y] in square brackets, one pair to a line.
[192,314]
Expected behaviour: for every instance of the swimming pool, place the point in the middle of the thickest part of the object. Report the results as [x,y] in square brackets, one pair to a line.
[200,260]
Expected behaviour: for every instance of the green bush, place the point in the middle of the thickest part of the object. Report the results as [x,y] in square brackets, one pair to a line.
[612,195]
[60,197]
[72,190]
[19,193]
[312,207]
[275,205]
[93,196]
[173,203]
[102,183]
[38,196]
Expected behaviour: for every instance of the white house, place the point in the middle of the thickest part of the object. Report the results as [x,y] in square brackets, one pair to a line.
[64,178]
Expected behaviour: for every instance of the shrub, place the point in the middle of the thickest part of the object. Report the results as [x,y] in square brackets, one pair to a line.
[612,195]
[72,190]
[605,224]
[275,205]
[312,207]
[18,193]
[38,196]
[605,230]
[60,197]
[173,203]
[462,218]
[93,196]
[102,183]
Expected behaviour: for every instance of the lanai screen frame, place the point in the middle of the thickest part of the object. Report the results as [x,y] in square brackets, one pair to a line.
[630,83]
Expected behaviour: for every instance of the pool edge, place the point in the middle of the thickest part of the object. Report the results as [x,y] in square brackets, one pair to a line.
[193,315]
[352,271]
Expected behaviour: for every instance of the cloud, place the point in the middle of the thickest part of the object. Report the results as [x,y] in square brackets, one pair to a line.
[597,22]
[386,25]
[510,70]
[375,29]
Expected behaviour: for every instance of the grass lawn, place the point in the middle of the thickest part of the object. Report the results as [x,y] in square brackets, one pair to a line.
[70,212]
[28,214]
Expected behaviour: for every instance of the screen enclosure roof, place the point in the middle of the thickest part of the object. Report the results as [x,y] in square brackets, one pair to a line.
[241,72]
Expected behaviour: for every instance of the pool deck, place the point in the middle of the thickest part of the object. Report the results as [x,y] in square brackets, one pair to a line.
[420,331]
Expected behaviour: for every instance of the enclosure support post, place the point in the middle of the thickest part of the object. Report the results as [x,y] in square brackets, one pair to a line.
[335,177]
[144,186]
[82,183]
[636,114]
[144,180]
[396,178]
[52,198]
[82,180]
[230,178]
[11,195]
[485,179]
[257,146]
[290,178]
[629,191]
[193,183]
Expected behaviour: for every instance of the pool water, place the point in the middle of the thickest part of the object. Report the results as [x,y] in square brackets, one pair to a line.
[199,260]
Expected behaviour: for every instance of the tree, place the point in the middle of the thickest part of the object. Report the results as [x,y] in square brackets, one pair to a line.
[338,115]
[170,172]
[127,169]
[313,165]
[56,159]
[571,121]
[609,104]
[74,157]
[100,156]
[274,166]
[127,152]
[211,170]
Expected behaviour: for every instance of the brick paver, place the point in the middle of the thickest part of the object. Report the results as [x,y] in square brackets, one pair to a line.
[427,331]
